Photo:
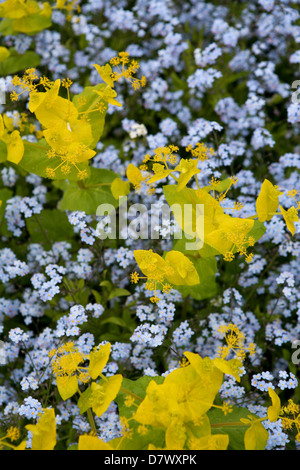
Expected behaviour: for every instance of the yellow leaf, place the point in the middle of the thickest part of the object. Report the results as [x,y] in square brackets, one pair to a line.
[44,432]
[86,442]
[67,386]
[256,437]
[12,9]
[108,94]
[1,126]
[120,188]
[210,378]
[60,3]
[290,216]
[267,201]
[15,147]
[188,168]
[61,139]
[21,446]
[8,123]
[134,175]
[98,360]
[159,175]
[229,367]
[274,410]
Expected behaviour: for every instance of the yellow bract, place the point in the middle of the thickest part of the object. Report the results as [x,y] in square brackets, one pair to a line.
[98,359]
[67,386]
[290,216]
[134,175]
[210,442]
[44,432]
[103,394]
[267,201]
[15,147]
[120,188]
[274,410]
[184,270]
[188,169]
[86,442]
[105,73]
[256,436]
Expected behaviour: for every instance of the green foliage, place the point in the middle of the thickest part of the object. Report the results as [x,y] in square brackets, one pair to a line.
[16,62]
[88,194]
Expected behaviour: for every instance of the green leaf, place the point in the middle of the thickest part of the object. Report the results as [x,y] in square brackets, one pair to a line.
[231,425]
[115,320]
[257,230]
[118,292]
[207,288]
[30,24]
[16,62]
[84,400]
[87,195]
[50,226]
